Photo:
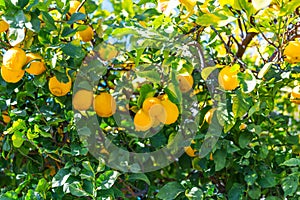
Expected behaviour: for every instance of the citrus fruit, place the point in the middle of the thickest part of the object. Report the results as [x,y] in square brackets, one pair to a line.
[58,88]
[291,52]
[295,95]
[242,126]
[3,26]
[228,79]
[209,115]
[14,59]
[11,76]
[82,99]
[190,151]
[142,121]
[186,82]
[107,52]
[35,67]
[153,106]
[104,105]
[171,112]
[74,5]
[85,35]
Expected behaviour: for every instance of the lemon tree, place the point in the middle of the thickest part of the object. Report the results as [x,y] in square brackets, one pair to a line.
[139,63]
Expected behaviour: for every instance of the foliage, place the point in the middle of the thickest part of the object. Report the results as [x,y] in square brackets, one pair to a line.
[42,156]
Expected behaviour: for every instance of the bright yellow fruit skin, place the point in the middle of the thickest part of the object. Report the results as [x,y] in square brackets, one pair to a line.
[85,35]
[209,115]
[228,79]
[292,52]
[82,100]
[104,105]
[36,67]
[14,59]
[186,82]
[142,121]
[190,151]
[3,26]
[295,95]
[74,5]
[59,88]
[11,76]
[171,112]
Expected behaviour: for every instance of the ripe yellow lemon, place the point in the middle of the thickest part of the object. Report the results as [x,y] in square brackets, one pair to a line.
[190,151]
[171,112]
[82,99]
[142,121]
[104,105]
[186,82]
[58,88]
[291,52]
[209,115]
[107,52]
[3,26]
[228,79]
[36,67]
[295,95]
[11,76]
[85,35]
[153,106]
[14,59]
[74,5]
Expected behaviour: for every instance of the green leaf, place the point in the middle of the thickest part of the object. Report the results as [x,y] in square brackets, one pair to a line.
[107,179]
[49,21]
[145,92]
[244,139]
[220,159]
[142,177]
[264,70]
[194,194]
[247,81]
[235,191]
[152,76]
[120,32]
[254,193]
[260,4]
[290,184]
[16,35]
[73,49]
[170,191]
[67,31]
[76,17]
[18,139]
[293,162]
[267,180]
[76,189]
[240,106]
[207,71]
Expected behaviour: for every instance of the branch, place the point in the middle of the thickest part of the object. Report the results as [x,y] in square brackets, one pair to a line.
[242,48]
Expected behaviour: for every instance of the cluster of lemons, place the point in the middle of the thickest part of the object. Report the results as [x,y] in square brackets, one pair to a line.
[14,61]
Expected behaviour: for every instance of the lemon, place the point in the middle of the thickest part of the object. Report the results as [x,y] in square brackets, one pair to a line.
[291,52]
[82,99]
[35,67]
[171,112]
[85,35]
[14,59]
[190,151]
[73,7]
[209,115]
[11,76]
[186,82]
[228,79]
[142,121]
[58,88]
[104,105]
[295,95]
[3,26]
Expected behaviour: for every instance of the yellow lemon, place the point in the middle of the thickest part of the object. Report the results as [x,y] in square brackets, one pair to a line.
[5,117]
[11,76]
[186,82]
[171,112]
[3,26]
[82,99]
[104,105]
[142,121]
[85,35]
[228,79]
[291,52]
[35,67]
[73,7]
[295,95]
[58,88]
[209,115]
[14,59]
[190,151]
